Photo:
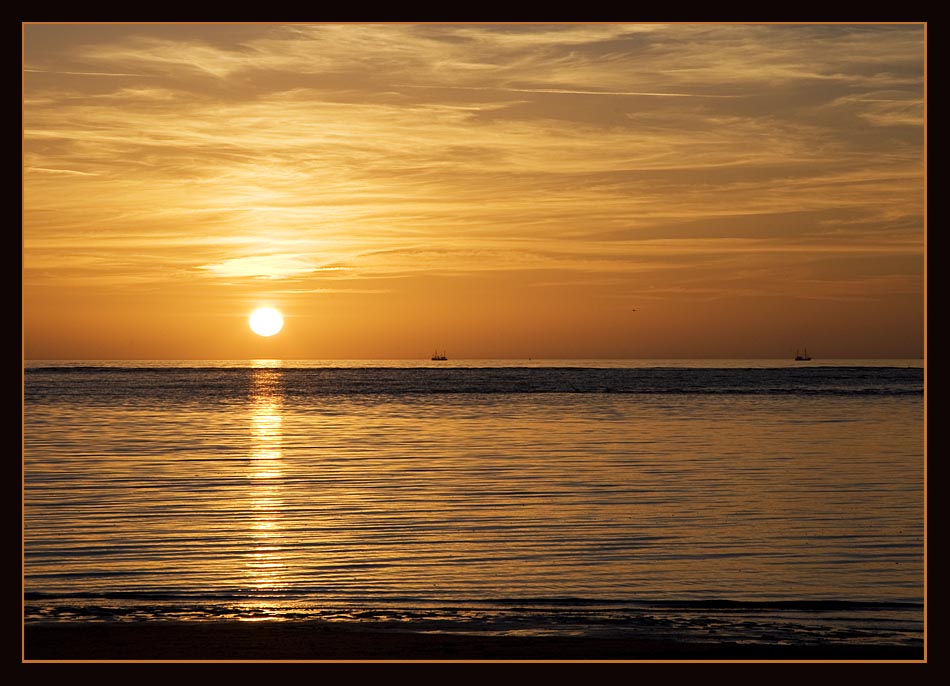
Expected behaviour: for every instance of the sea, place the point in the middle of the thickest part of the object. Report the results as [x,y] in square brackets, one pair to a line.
[749,501]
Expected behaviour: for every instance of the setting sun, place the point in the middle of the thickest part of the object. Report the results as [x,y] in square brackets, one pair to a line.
[266,321]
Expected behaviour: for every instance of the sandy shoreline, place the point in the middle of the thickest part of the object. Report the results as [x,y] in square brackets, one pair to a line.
[320,641]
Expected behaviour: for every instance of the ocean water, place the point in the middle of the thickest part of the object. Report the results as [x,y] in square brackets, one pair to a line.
[745,500]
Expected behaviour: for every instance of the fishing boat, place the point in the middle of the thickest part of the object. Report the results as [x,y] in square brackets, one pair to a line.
[802,357]
[439,355]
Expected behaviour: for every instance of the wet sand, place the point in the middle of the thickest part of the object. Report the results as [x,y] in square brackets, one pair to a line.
[318,641]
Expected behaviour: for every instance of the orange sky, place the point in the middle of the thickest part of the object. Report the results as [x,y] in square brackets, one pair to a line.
[497,191]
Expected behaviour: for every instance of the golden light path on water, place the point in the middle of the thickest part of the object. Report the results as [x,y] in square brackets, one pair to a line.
[265,565]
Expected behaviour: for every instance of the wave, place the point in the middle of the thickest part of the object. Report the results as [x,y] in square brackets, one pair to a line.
[204,382]
[815,605]
[389,380]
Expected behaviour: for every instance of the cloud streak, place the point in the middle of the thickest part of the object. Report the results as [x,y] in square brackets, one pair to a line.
[564,91]
[79,73]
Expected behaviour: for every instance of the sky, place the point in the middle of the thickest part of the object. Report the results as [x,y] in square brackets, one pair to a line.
[592,190]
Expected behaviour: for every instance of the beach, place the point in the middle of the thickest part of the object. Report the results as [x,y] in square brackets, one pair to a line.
[323,641]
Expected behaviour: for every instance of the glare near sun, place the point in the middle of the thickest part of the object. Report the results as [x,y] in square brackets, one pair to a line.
[266,321]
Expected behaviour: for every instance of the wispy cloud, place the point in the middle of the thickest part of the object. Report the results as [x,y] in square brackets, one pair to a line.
[262,266]
[60,171]
[564,91]
[79,73]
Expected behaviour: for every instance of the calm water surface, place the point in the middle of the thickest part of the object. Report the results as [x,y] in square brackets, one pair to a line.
[732,499]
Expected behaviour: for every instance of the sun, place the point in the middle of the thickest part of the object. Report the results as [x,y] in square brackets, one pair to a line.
[266,321]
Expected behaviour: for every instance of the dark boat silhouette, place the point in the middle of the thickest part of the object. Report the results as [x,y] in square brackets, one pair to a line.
[802,357]
[439,356]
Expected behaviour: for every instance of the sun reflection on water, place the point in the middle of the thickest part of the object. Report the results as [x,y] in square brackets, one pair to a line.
[264,565]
